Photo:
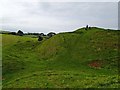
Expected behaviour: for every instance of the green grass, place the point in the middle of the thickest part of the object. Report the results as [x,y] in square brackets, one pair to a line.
[79,59]
[0,61]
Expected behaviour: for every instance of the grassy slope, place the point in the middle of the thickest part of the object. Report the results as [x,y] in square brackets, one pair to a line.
[0,61]
[75,59]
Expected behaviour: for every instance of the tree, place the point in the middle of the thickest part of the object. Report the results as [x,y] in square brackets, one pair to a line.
[40,38]
[13,33]
[42,34]
[20,33]
[51,34]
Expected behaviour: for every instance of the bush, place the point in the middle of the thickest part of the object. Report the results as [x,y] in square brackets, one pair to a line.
[51,34]
[40,38]
[13,33]
[20,33]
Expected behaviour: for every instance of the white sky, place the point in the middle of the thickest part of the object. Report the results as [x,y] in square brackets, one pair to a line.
[65,15]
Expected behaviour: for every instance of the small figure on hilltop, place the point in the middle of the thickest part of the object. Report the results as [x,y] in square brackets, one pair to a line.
[89,27]
[40,38]
[20,33]
[86,28]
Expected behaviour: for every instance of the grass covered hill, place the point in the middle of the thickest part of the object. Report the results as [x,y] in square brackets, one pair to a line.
[83,58]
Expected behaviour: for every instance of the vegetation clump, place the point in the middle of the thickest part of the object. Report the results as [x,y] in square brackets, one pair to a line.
[51,34]
[40,38]
[20,33]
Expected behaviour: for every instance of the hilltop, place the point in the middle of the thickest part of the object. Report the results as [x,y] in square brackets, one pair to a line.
[82,58]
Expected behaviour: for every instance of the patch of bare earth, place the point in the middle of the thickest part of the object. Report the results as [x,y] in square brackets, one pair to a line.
[96,64]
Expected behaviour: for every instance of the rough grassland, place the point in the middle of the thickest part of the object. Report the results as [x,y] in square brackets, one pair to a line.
[79,59]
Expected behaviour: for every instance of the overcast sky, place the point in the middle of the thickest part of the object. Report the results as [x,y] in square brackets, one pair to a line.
[45,17]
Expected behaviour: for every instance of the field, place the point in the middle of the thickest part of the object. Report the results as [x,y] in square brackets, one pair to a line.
[79,59]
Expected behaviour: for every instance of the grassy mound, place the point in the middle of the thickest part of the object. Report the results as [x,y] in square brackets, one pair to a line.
[83,58]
